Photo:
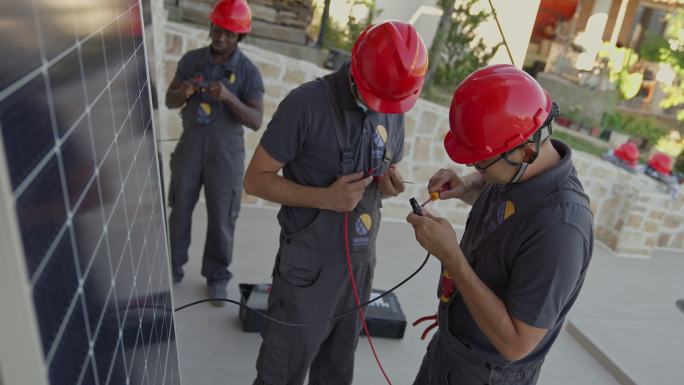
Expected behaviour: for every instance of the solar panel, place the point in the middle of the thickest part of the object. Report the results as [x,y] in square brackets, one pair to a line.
[76,124]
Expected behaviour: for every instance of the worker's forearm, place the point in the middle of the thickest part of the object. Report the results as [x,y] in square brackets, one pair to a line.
[248,116]
[175,98]
[488,311]
[476,184]
[274,188]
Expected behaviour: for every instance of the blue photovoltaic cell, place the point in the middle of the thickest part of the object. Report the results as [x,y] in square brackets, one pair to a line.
[76,126]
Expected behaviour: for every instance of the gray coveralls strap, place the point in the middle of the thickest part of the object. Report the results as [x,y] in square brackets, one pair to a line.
[311,282]
[326,232]
[204,114]
[450,359]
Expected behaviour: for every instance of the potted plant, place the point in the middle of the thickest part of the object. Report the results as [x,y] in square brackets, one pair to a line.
[563,120]
[589,125]
[614,123]
[574,117]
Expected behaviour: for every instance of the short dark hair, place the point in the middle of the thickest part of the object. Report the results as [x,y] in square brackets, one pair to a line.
[240,35]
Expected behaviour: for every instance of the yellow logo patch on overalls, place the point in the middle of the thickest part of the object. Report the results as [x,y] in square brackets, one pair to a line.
[205,108]
[231,78]
[382,132]
[364,224]
[380,137]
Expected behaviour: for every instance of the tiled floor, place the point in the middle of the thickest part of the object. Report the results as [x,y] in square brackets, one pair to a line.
[214,350]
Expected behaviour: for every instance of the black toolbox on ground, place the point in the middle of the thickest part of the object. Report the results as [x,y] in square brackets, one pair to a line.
[256,297]
[384,317]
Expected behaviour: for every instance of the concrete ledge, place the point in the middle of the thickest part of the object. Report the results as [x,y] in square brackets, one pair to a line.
[636,352]
[597,353]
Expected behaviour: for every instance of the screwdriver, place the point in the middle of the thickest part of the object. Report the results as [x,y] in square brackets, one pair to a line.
[434,196]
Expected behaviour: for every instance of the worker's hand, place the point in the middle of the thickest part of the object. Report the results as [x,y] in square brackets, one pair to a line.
[436,235]
[218,91]
[448,184]
[346,192]
[187,88]
[391,183]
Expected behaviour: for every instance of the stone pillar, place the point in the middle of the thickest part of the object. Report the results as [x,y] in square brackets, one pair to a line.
[619,21]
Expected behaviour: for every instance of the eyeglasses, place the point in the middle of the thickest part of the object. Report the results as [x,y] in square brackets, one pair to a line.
[483,169]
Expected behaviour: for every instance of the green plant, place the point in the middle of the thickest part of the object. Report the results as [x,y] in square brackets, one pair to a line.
[574,114]
[612,121]
[621,62]
[463,51]
[336,36]
[670,50]
[588,122]
[356,26]
[634,125]
[343,36]
[672,144]
[679,163]
[457,49]
[652,46]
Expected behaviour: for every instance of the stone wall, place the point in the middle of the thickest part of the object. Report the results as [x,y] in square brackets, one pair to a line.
[592,103]
[633,215]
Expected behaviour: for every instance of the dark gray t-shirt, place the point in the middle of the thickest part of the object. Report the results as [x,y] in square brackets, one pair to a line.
[204,114]
[537,268]
[301,136]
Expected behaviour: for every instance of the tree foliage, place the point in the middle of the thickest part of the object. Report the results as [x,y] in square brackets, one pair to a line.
[669,48]
[679,163]
[457,49]
[343,36]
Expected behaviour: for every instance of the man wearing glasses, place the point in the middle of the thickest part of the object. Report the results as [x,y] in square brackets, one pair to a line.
[508,285]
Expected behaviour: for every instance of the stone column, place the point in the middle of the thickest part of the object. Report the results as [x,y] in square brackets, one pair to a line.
[618,21]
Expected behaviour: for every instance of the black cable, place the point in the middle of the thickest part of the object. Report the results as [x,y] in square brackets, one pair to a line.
[306,324]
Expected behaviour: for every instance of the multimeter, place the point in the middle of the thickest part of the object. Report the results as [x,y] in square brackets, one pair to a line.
[415,206]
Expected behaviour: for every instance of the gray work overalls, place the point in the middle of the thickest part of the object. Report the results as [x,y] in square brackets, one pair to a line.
[210,153]
[311,281]
[451,360]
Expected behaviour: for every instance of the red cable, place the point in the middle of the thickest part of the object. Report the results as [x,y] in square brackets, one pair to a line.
[356,296]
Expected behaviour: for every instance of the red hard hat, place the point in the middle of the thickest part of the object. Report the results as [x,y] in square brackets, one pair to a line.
[494,110]
[388,62]
[233,15]
[661,163]
[628,152]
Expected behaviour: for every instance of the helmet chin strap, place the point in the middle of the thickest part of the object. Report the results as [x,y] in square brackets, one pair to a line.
[522,167]
[538,137]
